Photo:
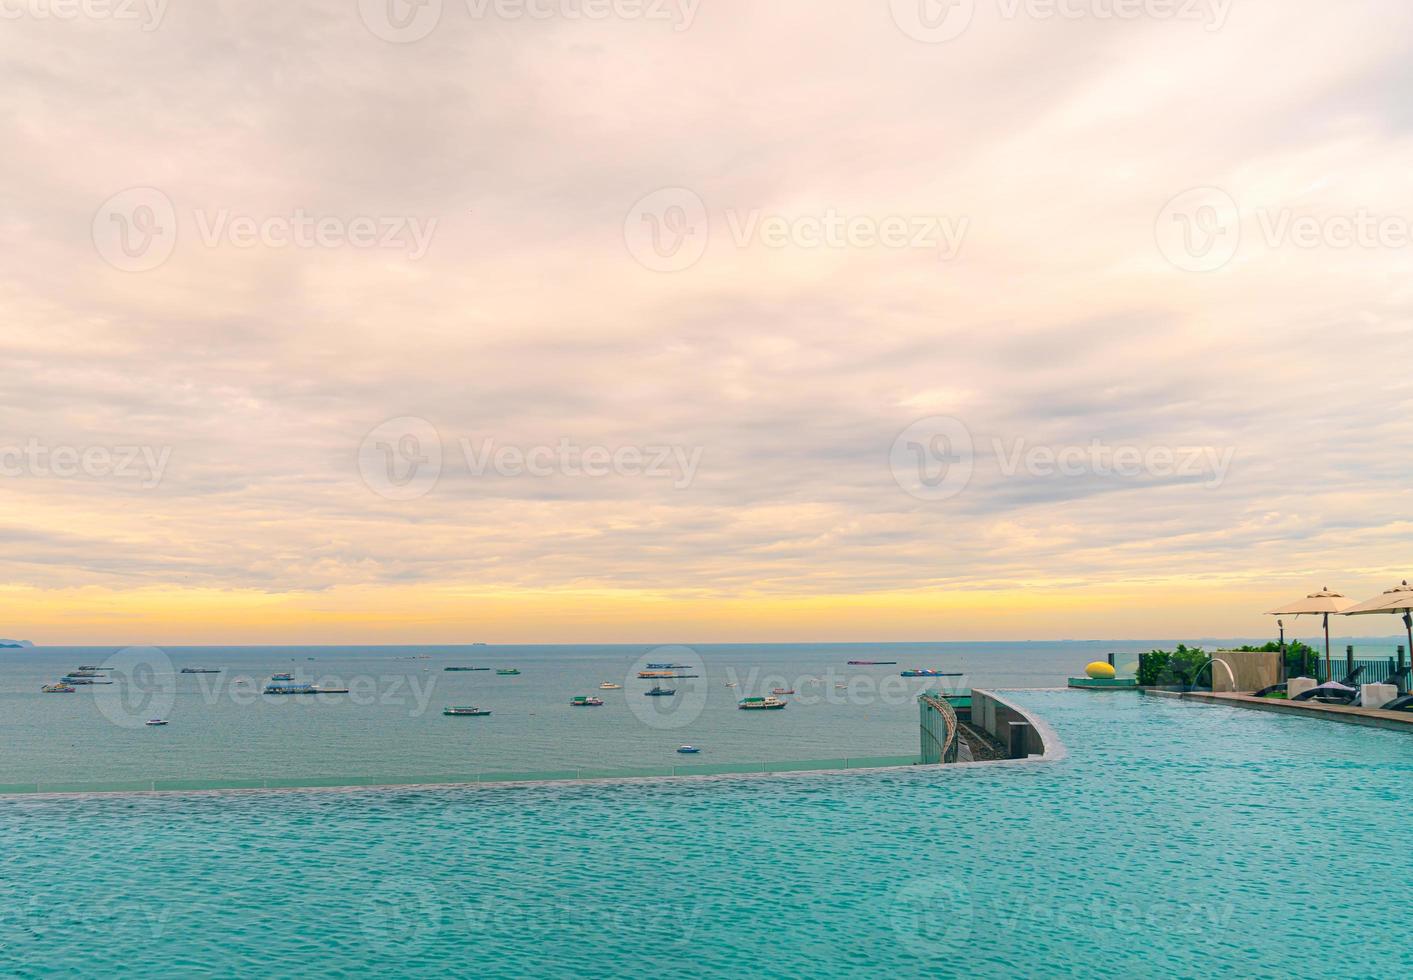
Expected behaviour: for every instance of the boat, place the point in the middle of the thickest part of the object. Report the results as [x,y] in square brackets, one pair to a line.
[659,692]
[84,672]
[664,675]
[281,677]
[782,690]
[463,670]
[873,663]
[465,712]
[607,686]
[927,672]
[201,670]
[58,689]
[156,722]
[688,750]
[79,681]
[288,688]
[761,704]
[669,666]
[508,672]
[730,683]
[582,702]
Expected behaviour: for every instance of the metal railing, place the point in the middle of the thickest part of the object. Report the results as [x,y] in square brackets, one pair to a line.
[1375,671]
[939,745]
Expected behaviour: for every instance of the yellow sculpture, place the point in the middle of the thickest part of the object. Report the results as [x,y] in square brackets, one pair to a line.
[1100,671]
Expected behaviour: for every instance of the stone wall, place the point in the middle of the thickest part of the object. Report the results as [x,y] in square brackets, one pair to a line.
[1250,671]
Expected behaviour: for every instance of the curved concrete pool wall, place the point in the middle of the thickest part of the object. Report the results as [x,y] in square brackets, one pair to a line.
[994,715]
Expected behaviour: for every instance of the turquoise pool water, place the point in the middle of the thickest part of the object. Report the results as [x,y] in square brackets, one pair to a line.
[1174,840]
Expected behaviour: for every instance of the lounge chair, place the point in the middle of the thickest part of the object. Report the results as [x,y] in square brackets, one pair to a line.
[1284,685]
[1343,691]
[1404,701]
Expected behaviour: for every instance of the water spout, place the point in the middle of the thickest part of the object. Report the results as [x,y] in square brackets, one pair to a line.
[1215,660]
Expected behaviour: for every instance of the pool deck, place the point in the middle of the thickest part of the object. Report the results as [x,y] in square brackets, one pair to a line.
[1398,721]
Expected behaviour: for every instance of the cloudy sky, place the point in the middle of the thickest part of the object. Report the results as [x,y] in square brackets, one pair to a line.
[650,320]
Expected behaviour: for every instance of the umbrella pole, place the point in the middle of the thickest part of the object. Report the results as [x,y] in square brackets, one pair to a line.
[1329,674]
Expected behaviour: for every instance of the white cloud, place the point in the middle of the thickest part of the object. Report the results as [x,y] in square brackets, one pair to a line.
[792,369]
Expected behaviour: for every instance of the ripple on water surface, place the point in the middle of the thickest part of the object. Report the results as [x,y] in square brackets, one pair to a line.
[1175,840]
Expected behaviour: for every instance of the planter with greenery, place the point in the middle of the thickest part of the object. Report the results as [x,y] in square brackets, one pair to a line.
[1173,668]
[1300,658]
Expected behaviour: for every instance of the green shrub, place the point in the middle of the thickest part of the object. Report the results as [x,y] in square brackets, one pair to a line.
[1182,667]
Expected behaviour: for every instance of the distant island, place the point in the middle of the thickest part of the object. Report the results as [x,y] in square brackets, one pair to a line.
[15,644]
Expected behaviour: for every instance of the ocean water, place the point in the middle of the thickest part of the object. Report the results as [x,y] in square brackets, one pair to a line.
[391,725]
[1173,840]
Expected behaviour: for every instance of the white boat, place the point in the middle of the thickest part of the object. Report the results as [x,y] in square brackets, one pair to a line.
[156,722]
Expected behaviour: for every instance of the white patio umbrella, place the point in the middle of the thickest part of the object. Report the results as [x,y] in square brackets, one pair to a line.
[1398,599]
[1321,603]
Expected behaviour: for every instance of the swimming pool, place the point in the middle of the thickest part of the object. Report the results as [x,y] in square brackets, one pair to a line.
[1175,839]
